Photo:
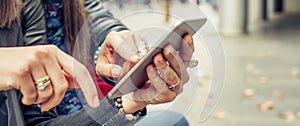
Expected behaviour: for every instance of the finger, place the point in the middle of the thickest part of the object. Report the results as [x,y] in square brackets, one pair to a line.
[109,70]
[122,47]
[156,81]
[127,66]
[166,72]
[129,41]
[70,80]
[28,90]
[81,75]
[118,60]
[142,45]
[159,84]
[187,48]
[38,72]
[124,33]
[59,83]
[176,63]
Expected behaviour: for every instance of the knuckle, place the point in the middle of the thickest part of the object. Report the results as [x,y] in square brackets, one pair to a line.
[22,71]
[51,47]
[31,97]
[11,83]
[44,52]
[111,34]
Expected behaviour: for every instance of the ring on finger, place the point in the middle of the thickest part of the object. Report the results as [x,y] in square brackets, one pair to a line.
[43,83]
[173,87]
[191,63]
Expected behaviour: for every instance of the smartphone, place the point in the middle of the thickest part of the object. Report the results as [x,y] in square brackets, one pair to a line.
[137,76]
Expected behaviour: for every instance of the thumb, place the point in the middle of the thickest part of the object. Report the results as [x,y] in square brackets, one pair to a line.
[109,70]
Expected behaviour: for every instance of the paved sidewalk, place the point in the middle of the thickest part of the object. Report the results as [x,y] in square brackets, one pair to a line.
[267,61]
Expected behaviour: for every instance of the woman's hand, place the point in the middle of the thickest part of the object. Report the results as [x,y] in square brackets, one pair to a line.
[22,68]
[169,68]
[166,76]
[119,50]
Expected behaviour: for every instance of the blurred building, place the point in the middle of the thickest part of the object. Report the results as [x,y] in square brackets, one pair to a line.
[237,16]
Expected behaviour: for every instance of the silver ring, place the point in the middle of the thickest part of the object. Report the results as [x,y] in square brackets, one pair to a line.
[191,63]
[173,87]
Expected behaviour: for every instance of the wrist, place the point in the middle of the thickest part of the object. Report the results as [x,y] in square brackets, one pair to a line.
[132,109]
[131,106]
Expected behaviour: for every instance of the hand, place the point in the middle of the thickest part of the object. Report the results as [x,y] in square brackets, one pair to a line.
[119,50]
[168,69]
[21,67]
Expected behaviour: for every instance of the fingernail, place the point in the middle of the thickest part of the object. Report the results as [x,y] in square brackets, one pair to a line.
[96,101]
[116,71]
[190,40]
[161,60]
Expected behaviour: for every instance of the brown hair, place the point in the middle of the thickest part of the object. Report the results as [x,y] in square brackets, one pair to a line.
[9,12]
[74,17]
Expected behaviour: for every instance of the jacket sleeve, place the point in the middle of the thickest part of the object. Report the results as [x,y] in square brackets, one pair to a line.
[33,23]
[105,115]
[101,23]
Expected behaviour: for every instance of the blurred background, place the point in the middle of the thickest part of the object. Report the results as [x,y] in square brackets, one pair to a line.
[261,40]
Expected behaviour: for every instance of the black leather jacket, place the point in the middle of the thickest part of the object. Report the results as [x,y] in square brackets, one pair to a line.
[31,30]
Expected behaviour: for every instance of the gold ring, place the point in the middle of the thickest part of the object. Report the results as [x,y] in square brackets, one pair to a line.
[42,83]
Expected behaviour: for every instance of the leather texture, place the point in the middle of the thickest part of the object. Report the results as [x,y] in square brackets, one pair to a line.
[31,30]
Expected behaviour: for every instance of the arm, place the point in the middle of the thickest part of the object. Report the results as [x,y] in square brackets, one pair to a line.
[102,23]
[105,114]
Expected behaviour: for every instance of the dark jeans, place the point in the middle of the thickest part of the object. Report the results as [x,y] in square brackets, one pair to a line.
[71,103]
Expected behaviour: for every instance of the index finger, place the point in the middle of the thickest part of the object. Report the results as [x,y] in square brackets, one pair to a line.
[81,76]
[117,41]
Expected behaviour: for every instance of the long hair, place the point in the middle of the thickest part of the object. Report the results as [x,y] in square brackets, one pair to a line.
[9,12]
[74,17]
